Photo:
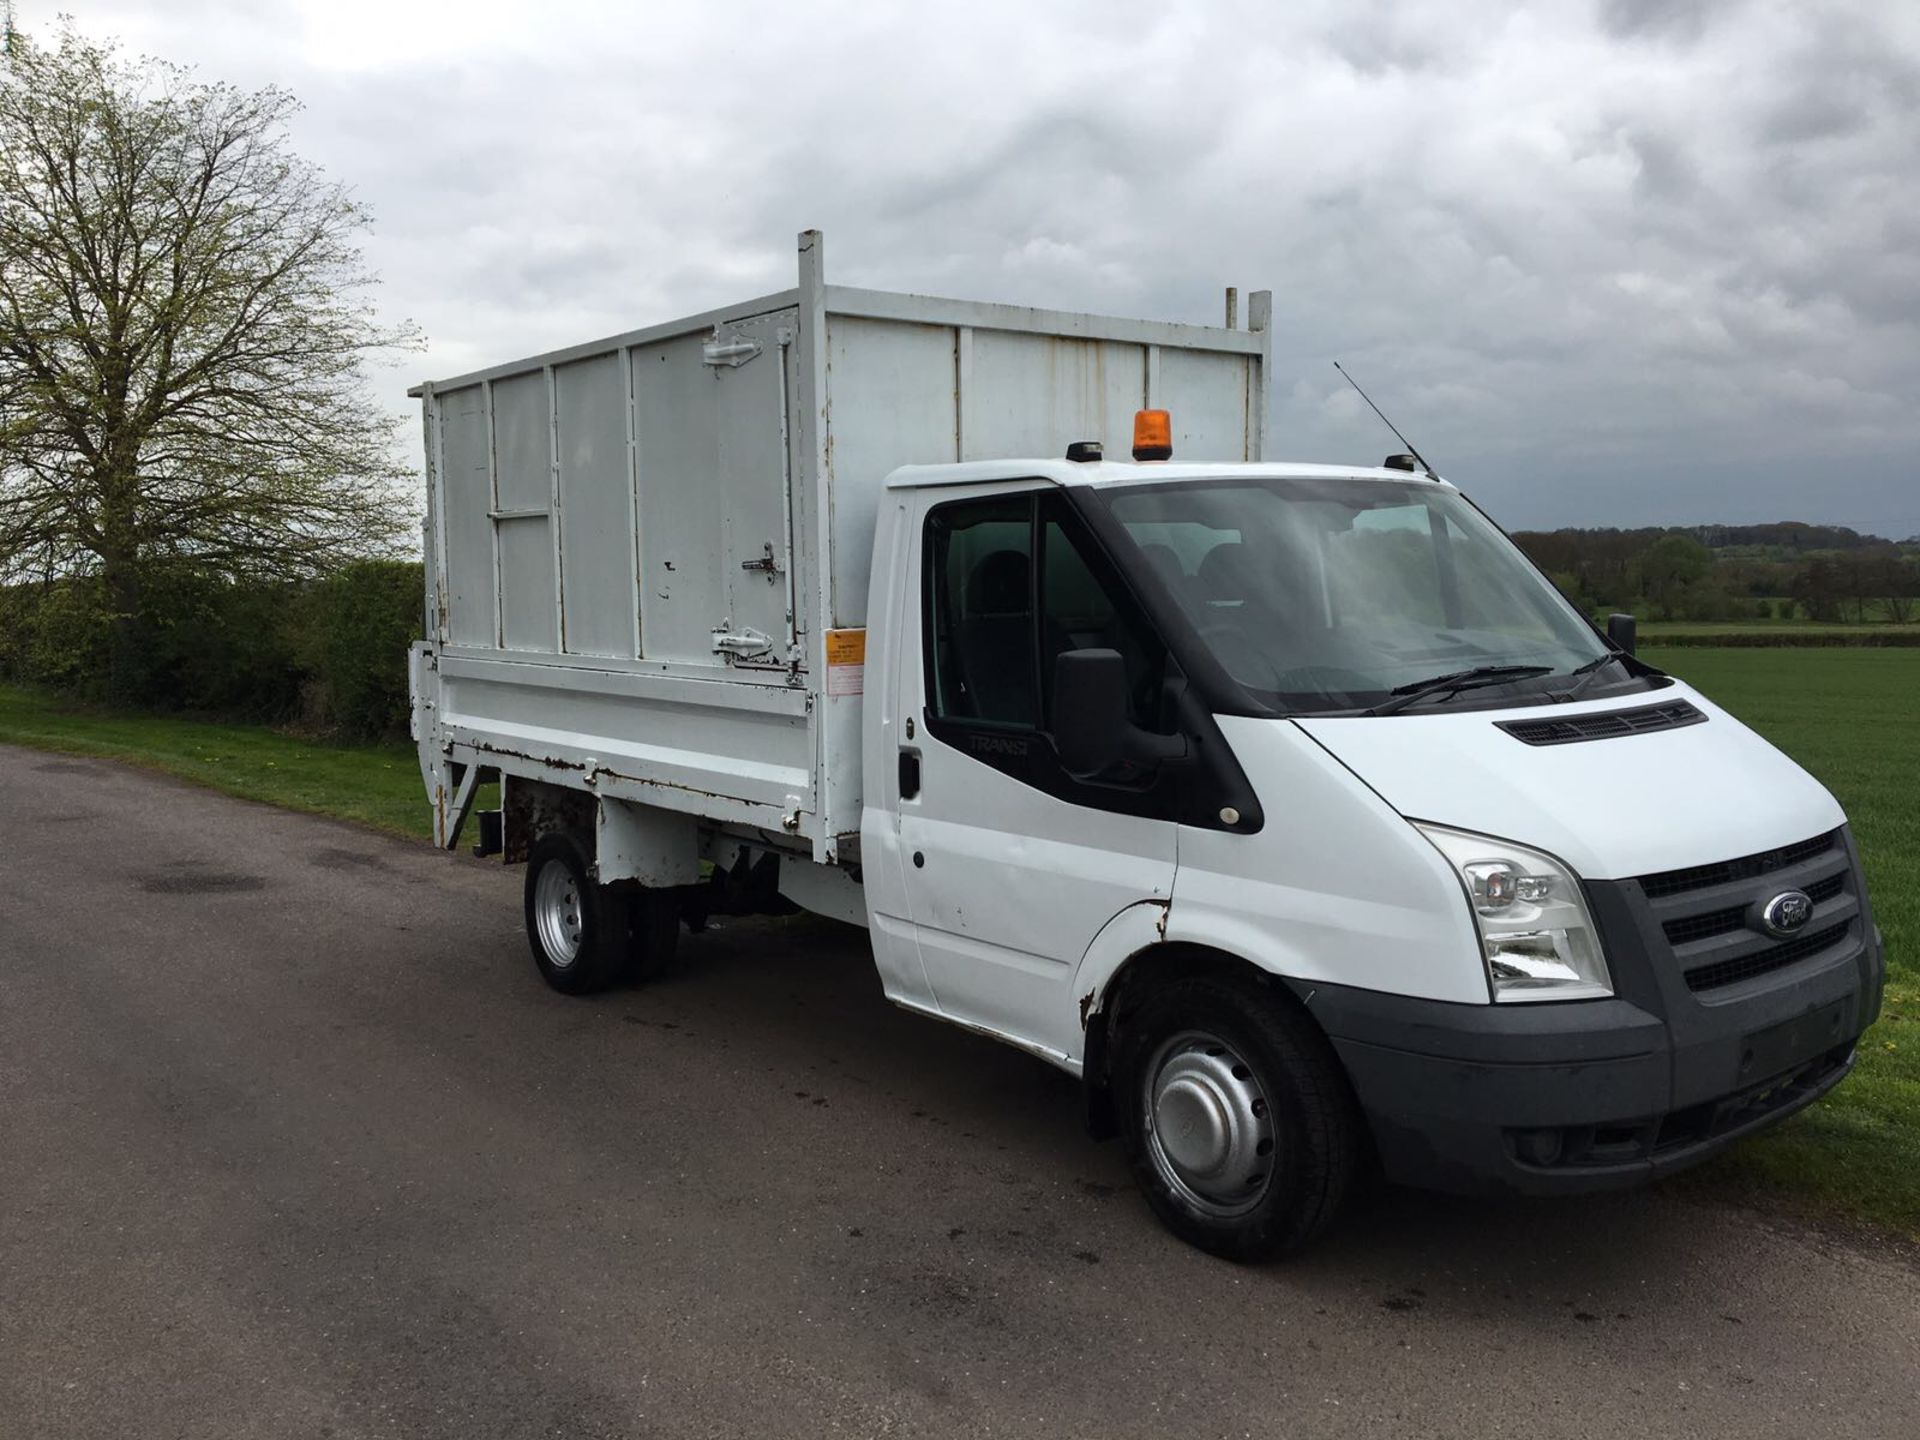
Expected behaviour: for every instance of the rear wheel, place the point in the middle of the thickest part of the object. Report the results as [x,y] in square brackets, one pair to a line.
[577,929]
[1239,1123]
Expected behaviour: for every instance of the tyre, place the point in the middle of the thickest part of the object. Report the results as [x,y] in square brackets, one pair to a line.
[1239,1123]
[653,933]
[577,929]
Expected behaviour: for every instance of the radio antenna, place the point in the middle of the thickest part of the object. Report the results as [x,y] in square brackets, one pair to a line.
[1383,418]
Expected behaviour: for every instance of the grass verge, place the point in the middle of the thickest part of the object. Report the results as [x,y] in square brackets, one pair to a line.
[1849,716]
[377,785]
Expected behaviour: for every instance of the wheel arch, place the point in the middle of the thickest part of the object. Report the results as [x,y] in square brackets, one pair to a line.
[1104,982]
[624,841]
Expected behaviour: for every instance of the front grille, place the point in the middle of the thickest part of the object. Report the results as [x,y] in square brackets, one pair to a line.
[1705,927]
[1764,962]
[1725,922]
[1604,725]
[1747,867]
[1709,915]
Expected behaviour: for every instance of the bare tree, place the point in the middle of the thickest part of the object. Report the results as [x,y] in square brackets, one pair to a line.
[183,319]
[1898,580]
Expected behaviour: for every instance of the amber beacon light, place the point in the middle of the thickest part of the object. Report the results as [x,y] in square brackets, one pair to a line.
[1152,435]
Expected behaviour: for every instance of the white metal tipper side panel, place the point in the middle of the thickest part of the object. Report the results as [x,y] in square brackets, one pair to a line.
[648,556]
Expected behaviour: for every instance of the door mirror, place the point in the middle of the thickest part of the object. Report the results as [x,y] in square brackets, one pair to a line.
[1091,731]
[1621,630]
[1089,719]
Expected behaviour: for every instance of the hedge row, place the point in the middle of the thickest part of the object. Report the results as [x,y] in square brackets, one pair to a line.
[1865,637]
[327,655]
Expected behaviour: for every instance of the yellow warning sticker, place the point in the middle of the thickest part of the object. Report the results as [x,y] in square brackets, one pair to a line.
[846,662]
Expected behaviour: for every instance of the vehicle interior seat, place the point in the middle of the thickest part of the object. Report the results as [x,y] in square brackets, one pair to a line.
[993,638]
[1165,560]
[1227,576]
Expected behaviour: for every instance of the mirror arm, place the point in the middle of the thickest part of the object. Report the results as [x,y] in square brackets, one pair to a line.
[1162,749]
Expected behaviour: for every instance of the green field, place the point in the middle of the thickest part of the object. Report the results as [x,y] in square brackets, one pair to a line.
[1851,716]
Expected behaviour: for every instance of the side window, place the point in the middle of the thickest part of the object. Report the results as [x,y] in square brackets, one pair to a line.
[990,656]
[979,569]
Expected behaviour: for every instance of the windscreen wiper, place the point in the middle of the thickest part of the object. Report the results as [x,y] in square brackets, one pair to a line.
[1405,695]
[1588,674]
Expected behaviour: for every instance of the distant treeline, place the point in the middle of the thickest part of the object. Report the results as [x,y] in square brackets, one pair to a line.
[1782,571]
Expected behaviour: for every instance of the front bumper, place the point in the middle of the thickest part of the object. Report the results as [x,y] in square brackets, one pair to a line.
[1592,1095]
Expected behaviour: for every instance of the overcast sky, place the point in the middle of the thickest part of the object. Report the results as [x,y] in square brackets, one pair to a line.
[1605,261]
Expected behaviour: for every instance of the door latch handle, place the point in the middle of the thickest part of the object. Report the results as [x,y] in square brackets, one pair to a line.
[741,643]
[766,564]
[909,774]
[733,351]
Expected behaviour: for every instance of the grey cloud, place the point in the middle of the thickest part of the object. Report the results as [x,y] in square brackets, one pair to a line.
[1663,19]
[1816,113]
[1667,172]
[1840,78]
[1374,45]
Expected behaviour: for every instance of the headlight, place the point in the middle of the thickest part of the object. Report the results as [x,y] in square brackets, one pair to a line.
[1540,943]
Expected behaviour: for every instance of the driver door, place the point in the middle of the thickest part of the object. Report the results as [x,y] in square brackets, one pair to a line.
[1013,866]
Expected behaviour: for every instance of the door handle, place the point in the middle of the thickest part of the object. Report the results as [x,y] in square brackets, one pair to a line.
[909,774]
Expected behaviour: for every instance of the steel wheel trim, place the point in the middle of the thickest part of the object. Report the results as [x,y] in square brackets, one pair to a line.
[557,914]
[1209,1124]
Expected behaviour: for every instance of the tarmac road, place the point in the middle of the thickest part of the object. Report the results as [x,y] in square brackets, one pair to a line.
[294,1142]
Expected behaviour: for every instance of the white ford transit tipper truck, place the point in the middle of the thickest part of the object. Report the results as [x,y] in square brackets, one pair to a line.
[1288,806]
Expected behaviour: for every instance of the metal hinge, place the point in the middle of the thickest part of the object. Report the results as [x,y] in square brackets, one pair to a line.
[730,350]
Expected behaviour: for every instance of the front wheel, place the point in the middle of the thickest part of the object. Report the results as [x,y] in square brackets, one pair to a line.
[577,929]
[1240,1126]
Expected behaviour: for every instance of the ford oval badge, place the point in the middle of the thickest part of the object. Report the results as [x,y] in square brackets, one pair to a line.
[1787,912]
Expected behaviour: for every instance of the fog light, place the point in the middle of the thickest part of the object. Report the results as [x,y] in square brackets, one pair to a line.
[1539,1147]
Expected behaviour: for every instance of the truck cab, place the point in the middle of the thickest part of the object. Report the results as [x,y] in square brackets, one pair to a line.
[1295,811]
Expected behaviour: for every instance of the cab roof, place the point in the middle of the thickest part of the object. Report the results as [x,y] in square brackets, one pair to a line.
[1116,472]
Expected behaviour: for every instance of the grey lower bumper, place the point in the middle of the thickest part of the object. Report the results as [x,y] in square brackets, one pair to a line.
[1560,1099]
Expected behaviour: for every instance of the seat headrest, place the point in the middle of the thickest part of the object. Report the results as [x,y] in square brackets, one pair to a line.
[1227,573]
[998,584]
[1165,559]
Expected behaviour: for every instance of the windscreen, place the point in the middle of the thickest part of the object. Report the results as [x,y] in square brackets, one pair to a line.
[1333,594]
